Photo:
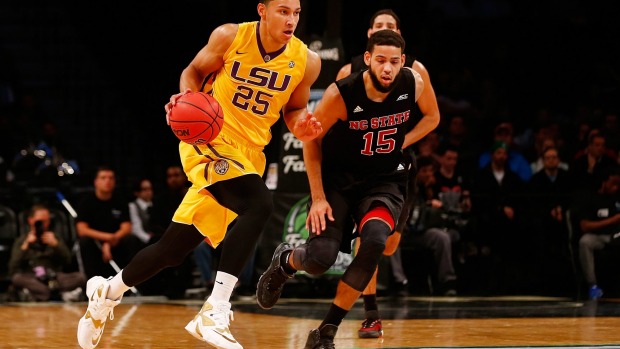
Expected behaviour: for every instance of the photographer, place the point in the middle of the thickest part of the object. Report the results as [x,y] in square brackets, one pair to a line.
[38,258]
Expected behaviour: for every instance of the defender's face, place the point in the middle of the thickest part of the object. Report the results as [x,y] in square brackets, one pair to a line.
[385,63]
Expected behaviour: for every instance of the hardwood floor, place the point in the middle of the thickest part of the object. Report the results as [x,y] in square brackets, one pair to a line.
[411,323]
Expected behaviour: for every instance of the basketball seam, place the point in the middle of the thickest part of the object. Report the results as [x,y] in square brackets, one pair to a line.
[209,123]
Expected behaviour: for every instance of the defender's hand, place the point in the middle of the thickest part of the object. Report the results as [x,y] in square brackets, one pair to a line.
[308,128]
[315,222]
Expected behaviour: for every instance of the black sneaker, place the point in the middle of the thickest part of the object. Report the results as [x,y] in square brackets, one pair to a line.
[270,284]
[323,338]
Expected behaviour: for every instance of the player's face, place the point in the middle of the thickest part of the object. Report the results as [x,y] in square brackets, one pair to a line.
[384,21]
[385,63]
[281,18]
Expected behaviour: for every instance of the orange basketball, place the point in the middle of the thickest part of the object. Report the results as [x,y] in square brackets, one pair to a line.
[196,118]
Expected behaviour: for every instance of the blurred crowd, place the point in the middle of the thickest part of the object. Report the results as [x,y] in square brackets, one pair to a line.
[506,195]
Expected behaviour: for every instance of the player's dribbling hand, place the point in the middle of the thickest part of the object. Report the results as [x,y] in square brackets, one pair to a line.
[315,222]
[308,128]
[173,101]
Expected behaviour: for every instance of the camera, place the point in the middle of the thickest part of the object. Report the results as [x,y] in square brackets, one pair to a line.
[38,231]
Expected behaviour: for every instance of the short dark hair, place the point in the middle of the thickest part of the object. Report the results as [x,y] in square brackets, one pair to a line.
[104,168]
[136,185]
[446,147]
[385,37]
[385,11]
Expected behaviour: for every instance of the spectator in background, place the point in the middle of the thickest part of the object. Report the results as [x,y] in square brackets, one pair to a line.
[166,202]
[140,210]
[551,192]
[429,228]
[174,281]
[494,201]
[543,142]
[104,227]
[38,259]
[516,160]
[611,125]
[599,219]
[428,145]
[449,178]
[458,136]
[591,163]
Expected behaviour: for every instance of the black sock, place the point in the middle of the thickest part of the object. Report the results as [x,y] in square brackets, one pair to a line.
[334,316]
[285,264]
[370,305]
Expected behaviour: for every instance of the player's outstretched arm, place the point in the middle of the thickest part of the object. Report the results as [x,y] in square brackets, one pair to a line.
[296,116]
[330,109]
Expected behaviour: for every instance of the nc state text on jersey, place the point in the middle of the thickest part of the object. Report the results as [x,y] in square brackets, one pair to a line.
[380,121]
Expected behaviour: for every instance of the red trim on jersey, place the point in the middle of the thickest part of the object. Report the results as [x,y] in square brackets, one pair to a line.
[381,213]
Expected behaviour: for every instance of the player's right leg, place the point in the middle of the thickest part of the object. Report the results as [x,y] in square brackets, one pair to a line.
[104,294]
[91,325]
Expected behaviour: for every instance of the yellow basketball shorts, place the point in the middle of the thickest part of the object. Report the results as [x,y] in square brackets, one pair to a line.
[224,158]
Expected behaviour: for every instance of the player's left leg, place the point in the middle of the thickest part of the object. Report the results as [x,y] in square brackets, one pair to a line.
[376,226]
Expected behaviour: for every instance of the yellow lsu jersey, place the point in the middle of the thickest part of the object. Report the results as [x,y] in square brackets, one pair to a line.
[254,85]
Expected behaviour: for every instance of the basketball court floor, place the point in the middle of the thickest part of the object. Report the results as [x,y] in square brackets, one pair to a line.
[411,322]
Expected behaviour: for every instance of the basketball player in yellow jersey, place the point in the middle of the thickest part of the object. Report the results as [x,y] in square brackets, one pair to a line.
[261,69]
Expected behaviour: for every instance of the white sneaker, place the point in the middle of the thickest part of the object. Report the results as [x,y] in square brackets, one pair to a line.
[91,325]
[211,325]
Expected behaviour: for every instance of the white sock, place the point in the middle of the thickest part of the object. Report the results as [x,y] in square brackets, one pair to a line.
[223,287]
[117,287]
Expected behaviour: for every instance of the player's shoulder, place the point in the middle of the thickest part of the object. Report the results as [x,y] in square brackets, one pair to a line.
[225,32]
[313,57]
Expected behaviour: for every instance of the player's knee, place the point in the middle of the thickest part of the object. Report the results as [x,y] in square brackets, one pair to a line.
[374,236]
[321,254]
[316,266]
[372,247]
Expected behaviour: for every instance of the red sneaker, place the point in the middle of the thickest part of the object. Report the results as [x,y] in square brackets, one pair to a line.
[370,329]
